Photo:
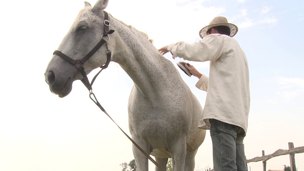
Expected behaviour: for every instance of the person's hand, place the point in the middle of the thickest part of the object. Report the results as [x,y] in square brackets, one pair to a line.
[163,50]
[193,70]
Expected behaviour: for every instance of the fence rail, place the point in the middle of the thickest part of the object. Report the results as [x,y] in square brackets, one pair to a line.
[291,151]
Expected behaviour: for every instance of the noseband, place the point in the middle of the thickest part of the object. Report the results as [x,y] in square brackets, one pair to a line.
[79,63]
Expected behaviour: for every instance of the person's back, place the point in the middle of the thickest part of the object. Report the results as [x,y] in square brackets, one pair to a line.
[228,95]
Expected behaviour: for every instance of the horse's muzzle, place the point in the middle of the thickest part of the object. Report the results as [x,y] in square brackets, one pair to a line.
[59,86]
[49,77]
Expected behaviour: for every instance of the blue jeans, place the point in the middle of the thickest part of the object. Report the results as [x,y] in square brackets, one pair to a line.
[228,147]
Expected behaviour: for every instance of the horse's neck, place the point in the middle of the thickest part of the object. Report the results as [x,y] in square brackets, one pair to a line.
[149,71]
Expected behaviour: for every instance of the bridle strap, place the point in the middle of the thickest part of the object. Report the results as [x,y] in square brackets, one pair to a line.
[78,64]
[95,100]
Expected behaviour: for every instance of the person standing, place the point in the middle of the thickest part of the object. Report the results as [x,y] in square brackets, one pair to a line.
[227,102]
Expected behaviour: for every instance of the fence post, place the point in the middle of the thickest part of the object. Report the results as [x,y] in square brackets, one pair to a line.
[264,162]
[292,157]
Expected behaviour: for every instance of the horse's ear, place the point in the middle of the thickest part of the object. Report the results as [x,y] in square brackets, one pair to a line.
[87,4]
[100,5]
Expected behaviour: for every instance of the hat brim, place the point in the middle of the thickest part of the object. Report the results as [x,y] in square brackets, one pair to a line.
[233,29]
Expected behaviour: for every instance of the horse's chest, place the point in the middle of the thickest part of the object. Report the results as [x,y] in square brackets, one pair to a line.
[160,126]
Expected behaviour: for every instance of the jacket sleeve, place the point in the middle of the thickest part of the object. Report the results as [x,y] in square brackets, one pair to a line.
[208,49]
[202,83]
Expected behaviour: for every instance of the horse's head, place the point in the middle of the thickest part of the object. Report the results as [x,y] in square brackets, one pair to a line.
[77,54]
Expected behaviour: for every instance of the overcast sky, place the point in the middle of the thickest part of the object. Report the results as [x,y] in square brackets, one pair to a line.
[42,132]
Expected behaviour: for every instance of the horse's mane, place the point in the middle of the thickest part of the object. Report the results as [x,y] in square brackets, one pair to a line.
[133,29]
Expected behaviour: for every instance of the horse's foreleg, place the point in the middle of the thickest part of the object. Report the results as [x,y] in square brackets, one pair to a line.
[162,163]
[179,151]
[190,160]
[140,159]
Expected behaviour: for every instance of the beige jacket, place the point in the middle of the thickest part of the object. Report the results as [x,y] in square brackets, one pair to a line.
[228,96]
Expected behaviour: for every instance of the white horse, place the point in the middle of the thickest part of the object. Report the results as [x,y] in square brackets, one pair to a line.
[163,112]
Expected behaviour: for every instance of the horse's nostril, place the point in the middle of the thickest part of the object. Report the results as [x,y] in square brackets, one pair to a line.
[50,77]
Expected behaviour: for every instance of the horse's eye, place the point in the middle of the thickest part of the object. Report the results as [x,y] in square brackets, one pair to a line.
[82,28]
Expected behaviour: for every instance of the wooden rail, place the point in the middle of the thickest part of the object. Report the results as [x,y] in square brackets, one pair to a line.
[291,151]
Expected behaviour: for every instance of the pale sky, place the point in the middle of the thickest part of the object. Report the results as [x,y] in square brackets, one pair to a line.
[42,132]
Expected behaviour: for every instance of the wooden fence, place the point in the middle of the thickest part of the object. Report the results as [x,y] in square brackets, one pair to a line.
[291,151]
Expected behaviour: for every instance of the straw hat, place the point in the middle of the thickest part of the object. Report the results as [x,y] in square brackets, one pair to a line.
[219,21]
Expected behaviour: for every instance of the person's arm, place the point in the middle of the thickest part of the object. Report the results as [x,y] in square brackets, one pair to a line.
[193,70]
[208,49]
[203,80]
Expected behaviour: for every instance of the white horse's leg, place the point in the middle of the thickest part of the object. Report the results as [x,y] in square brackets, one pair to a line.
[190,160]
[162,163]
[179,151]
[140,159]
